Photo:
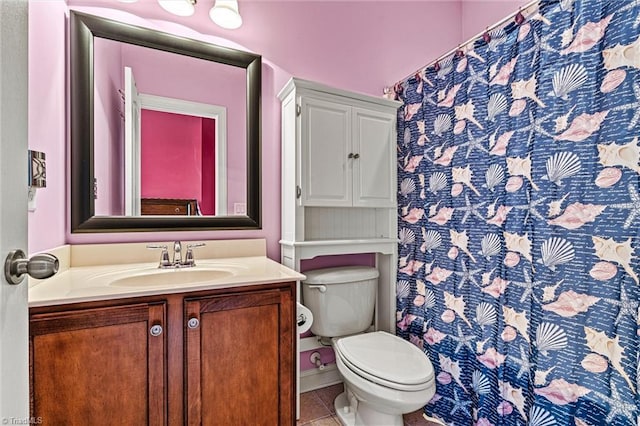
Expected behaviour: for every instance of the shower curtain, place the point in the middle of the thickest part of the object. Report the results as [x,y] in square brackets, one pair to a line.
[519,219]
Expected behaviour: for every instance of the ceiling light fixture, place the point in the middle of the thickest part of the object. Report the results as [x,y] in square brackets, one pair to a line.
[178,7]
[225,13]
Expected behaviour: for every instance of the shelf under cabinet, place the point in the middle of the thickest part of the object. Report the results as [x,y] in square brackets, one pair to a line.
[310,249]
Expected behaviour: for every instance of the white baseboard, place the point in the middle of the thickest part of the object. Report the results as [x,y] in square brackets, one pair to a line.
[316,378]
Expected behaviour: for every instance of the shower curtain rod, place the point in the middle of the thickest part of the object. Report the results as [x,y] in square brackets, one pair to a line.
[475,37]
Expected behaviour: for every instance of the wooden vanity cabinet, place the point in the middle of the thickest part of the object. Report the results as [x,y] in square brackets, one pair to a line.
[244,345]
[223,357]
[101,366]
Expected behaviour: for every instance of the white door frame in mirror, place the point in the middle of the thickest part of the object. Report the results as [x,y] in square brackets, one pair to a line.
[132,116]
[176,106]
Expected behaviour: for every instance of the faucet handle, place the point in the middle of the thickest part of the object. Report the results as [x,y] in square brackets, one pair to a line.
[188,259]
[164,255]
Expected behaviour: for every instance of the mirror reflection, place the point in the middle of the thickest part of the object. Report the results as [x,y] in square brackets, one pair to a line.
[169,133]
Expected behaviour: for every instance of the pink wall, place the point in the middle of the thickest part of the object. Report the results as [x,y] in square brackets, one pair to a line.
[478,14]
[360,46]
[354,45]
[47,122]
[171,165]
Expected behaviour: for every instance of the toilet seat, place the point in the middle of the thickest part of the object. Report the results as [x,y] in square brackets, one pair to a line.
[383,358]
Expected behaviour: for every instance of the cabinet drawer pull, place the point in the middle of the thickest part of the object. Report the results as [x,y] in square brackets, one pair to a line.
[193,323]
[155,330]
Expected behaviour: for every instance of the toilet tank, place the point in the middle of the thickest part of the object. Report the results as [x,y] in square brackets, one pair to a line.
[342,300]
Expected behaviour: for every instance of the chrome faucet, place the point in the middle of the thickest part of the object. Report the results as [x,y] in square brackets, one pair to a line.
[165,263]
[177,254]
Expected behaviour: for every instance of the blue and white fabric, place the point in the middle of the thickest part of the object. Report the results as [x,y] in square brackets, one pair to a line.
[519,220]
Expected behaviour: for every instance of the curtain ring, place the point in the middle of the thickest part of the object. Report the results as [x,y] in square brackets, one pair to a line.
[459,52]
[519,17]
[486,36]
[398,89]
[436,66]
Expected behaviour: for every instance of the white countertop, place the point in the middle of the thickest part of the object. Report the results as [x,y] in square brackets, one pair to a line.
[103,282]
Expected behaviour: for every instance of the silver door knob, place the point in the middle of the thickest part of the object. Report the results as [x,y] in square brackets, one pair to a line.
[40,266]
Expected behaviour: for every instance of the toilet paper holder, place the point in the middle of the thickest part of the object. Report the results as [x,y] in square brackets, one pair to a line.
[302,318]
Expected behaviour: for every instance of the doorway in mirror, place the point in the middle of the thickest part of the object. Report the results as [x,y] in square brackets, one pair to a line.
[178,160]
[174,149]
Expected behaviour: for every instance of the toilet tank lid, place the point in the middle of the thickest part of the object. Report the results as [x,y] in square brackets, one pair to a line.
[344,274]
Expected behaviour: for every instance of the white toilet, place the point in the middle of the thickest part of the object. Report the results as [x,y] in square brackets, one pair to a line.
[384,375]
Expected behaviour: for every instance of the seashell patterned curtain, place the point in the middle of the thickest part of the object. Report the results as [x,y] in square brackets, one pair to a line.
[519,220]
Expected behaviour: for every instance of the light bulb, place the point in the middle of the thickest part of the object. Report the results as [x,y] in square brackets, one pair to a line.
[225,13]
[178,7]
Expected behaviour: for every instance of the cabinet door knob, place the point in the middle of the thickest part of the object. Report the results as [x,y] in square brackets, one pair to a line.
[155,330]
[193,323]
[350,155]
[356,156]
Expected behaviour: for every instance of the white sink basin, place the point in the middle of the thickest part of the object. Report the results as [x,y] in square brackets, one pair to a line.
[167,277]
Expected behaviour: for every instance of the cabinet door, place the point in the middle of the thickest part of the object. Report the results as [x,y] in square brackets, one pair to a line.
[326,145]
[374,169]
[239,355]
[99,366]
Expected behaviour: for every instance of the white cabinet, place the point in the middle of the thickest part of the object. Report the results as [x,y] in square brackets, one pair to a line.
[338,164]
[347,152]
[374,148]
[325,148]
[339,189]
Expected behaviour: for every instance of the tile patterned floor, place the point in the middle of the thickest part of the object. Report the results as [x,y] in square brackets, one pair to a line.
[316,409]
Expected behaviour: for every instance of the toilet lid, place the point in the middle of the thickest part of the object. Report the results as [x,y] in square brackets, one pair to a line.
[386,359]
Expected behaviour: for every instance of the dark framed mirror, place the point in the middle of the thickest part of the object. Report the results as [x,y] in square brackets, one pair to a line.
[84,31]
